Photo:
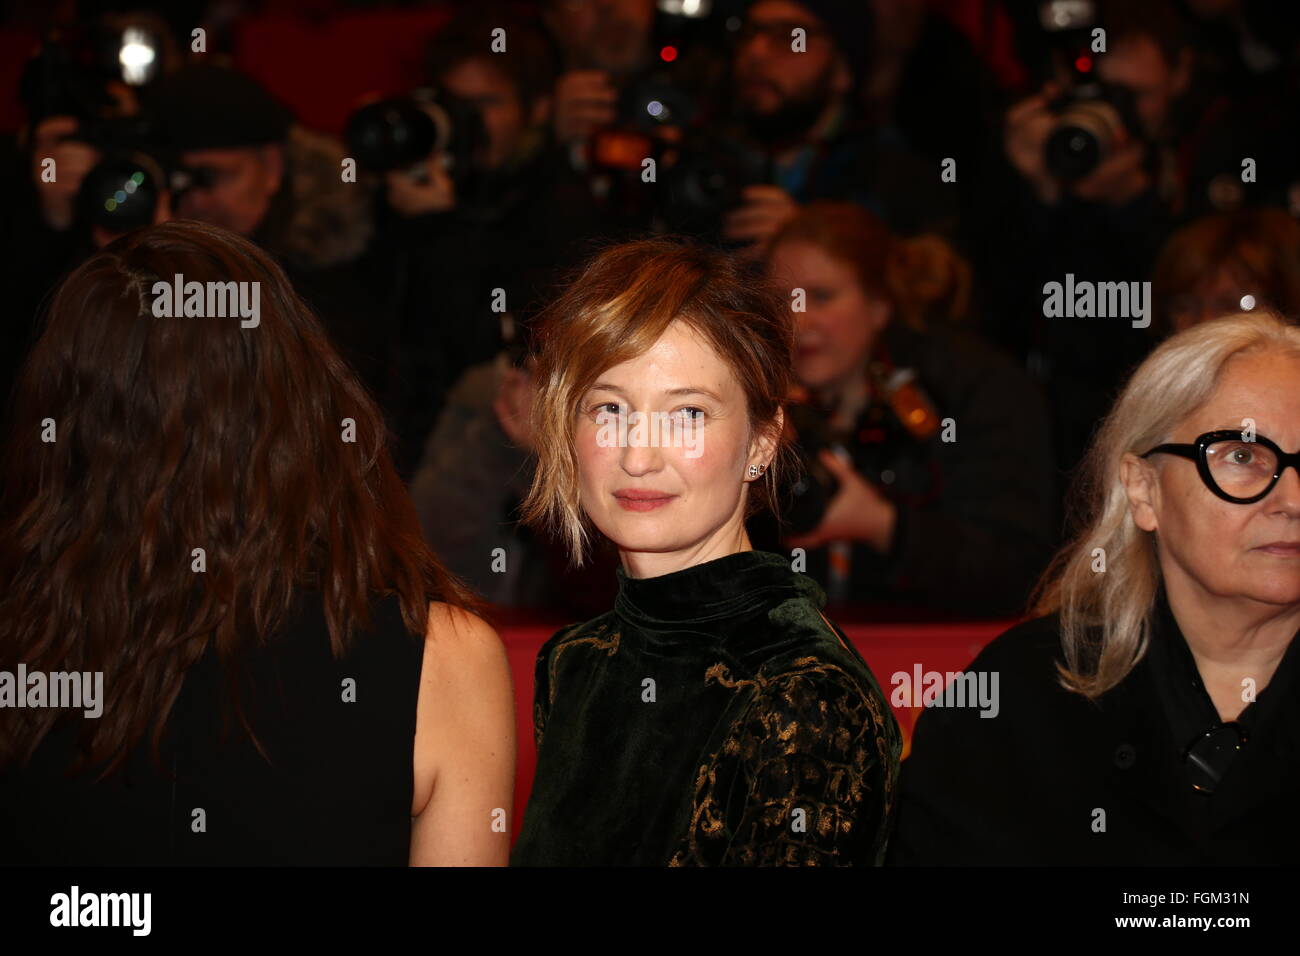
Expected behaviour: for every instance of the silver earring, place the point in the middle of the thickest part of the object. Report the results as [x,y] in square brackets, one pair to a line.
[756,470]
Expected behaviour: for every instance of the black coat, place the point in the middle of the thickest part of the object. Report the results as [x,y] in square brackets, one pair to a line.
[1024,787]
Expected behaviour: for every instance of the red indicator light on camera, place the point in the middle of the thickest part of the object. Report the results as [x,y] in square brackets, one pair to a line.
[668,54]
[1083,64]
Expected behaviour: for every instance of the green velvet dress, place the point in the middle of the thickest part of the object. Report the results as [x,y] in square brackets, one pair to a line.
[714,717]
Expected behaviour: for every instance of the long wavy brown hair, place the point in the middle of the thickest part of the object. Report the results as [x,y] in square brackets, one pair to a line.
[174,434]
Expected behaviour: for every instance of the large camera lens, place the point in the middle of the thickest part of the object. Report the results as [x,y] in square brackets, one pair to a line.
[1083,137]
[390,135]
[400,133]
[120,193]
[656,102]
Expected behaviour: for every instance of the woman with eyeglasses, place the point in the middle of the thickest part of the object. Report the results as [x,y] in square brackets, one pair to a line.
[1150,712]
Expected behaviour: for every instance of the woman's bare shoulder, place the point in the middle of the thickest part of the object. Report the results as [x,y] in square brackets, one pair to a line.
[457,623]
[459,637]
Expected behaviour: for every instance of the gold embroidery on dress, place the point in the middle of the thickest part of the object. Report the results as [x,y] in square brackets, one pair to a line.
[848,731]
[609,645]
[881,741]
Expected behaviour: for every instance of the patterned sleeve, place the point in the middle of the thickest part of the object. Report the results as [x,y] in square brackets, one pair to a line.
[542,691]
[541,697]
[804,777]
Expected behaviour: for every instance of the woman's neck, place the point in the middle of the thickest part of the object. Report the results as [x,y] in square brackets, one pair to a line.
[652,564]
[1237,643]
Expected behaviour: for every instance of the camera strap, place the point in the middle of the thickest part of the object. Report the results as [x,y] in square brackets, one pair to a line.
[900,389]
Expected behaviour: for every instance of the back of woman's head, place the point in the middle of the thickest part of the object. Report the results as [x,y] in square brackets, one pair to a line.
[174,481]
[922,278]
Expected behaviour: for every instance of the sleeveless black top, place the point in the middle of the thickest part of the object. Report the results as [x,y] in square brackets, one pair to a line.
[337,790]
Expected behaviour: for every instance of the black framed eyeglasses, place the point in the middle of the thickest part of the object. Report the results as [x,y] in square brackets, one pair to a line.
[1236,470]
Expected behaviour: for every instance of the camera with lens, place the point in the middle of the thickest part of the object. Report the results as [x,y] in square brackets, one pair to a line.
[84,72]
[1092,118]
[72,74]
[699,174]
[649,111]
[124,188]
[707,179]
[136,168]
[892,435]
[401,133]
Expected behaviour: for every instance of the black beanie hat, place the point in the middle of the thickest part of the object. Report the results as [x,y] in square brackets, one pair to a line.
[206,106]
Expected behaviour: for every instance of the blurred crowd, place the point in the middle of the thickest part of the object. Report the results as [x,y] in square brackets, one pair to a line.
[914,172]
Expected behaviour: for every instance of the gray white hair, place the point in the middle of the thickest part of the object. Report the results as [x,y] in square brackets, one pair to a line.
[1106,617]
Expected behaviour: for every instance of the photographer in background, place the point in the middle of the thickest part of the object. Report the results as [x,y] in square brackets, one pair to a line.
[799,112]
[1176,130]
[929,479]
[478,243]
[739,142]
[639,81]
[250,169]
[80,92]
[1098,167]
[603,43]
